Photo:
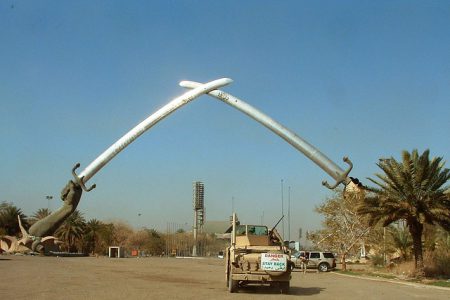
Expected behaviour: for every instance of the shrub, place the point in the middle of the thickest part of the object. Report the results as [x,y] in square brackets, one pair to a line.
[377,260]
[437,264]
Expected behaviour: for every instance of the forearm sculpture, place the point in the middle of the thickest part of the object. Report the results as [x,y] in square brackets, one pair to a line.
[71,194]
[44,228]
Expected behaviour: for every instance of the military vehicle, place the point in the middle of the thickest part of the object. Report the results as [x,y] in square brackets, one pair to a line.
[257,256]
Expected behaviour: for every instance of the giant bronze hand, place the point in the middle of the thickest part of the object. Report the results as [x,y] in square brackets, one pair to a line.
[44,228]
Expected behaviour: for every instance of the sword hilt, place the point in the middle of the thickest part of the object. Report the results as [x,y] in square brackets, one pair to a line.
[342,178]
[80,181]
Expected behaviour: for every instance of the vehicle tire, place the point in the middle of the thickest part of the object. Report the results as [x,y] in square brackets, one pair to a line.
[284,287]
[324,267]
[232,284]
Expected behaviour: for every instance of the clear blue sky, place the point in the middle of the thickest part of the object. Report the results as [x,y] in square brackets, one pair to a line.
[366,79]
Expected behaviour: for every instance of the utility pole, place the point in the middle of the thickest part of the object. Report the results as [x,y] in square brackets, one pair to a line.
[232,205]
[300,245]
[139,221]
[282,210]
[289,214]
[384,245]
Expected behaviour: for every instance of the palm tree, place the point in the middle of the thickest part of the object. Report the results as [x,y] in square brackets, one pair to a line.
[8,219]
[401,240]
[412,190]
[93,234]
[105,238]
[72,230]
[39,214]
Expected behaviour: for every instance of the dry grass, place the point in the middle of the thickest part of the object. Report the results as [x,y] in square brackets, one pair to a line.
[437,264]
[404,269]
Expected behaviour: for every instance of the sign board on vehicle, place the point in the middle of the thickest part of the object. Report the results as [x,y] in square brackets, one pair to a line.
[273,262]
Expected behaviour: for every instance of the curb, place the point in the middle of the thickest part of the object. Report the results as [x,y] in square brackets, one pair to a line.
[417,285]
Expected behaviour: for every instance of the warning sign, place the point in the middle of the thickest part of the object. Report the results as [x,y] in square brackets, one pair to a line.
[274,262]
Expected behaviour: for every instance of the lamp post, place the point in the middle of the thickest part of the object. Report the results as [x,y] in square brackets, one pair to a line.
[139,221]
[48,201]
[289,215]
[282,210]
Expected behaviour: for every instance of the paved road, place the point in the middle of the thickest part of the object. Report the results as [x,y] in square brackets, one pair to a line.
[336,286]
[25,277]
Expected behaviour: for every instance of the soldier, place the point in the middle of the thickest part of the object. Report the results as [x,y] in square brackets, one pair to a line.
[304,261]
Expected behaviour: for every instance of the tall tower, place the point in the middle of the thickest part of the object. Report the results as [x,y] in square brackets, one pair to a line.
[199,210]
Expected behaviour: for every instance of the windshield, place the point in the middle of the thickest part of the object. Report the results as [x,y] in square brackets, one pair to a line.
[240,229]
[257,230]
[251,230]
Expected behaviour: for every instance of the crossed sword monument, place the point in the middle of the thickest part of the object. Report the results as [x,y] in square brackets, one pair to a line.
[72,192]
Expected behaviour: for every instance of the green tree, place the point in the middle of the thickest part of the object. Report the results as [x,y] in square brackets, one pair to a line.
[155,244]
[106,238]
[93,235]
[39,214]
[71,231]
[98,236]
[401,240]
[412,190]
[9,223]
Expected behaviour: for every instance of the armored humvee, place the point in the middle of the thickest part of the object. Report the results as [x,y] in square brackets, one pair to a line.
[256,256]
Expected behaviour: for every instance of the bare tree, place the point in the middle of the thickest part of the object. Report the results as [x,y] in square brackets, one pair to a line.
[343,228]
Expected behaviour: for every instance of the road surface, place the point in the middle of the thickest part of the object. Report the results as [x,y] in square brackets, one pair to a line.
[33,277]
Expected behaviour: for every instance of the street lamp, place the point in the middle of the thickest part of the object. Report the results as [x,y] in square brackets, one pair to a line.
[282,210]
[289,215]
[48,201]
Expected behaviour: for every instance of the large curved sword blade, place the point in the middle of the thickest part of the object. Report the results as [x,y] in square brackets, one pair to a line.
[288,135]
[142,127]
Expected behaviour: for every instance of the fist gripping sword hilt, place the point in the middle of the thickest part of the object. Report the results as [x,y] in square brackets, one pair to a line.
[343,177]
[80,181]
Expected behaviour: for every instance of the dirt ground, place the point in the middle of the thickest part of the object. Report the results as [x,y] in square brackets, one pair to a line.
[32,277]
